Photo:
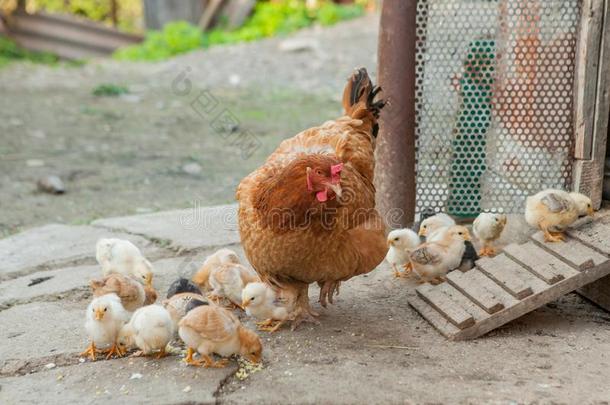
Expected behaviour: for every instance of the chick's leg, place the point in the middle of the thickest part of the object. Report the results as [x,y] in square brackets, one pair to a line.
[90,351]
[162,353]
[264,323]
[548,235]
[488,250]
[396,272]
[408,270]
[271,328]
[189,358]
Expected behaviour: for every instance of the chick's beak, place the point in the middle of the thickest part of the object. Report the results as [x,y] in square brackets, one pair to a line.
[148,280]
[254,358]
[422,232]
[390,243]
[245,303]
[467,237]
[99,314]
[590,211]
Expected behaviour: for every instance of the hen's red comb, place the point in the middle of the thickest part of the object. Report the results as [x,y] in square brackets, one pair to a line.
[336,169]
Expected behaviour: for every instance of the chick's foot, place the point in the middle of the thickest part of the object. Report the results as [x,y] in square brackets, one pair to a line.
[209,363]
[113,351]
[90,351]
[271,328]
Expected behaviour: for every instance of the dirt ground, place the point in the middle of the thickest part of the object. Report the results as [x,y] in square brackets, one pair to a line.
[159,147]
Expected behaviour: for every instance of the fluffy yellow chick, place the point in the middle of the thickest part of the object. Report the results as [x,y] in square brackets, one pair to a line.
[552,211]
[123,257]
[228,281]
[105,318]
[210,329]
[132,294]
[401,242]
[433,260]
[177,305]
[261,302]
[150,329]
[487,228]
[435,223]
[221,256]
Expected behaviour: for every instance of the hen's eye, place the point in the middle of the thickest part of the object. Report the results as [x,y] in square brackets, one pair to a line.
[319,172]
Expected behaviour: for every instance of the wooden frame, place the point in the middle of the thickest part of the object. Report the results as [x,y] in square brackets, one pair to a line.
[592,99]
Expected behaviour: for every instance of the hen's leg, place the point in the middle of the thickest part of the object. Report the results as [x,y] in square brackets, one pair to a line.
[303,311]
[327,291]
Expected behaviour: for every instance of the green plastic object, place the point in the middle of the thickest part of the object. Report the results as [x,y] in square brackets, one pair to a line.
[470,131]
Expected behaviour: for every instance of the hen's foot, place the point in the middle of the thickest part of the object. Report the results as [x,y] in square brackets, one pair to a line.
[304,316]
[90,351]
[114,351]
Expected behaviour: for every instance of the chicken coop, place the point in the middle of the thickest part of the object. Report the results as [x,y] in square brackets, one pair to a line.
[499,99]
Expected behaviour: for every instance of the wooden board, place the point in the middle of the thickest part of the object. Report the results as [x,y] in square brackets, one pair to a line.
[445,305]
[476,292]
[506,274]
[467,305]
[595,235]
[539,262]
[572,252]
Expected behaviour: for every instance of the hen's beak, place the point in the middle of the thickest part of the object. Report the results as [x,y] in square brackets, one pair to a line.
[99,314]
[590,211]
[148,279]
[336,188]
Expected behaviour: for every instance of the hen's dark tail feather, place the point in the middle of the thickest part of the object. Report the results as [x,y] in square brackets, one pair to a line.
[359,99]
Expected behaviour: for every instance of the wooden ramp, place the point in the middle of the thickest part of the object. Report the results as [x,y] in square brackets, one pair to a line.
[517,281]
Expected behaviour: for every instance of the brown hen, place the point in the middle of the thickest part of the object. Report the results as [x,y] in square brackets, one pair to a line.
[308,213]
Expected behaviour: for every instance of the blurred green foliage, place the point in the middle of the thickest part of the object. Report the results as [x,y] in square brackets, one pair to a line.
[9,51]
[270,18]
[109,90]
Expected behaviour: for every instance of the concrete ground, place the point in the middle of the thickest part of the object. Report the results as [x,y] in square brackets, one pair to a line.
[371,347]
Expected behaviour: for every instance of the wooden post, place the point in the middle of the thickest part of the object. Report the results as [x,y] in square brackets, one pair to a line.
[588,175]
[395,152]
[114,11]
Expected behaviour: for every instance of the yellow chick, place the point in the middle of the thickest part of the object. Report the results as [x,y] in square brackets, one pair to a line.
[132,294]
[488,227]
[105,318]
[552,211]
[228,281]
[222,256]
[433,260]
[150,329]
[401,242]
[434,224]
[210,329]
[261,302]
[123,257]
[177,305]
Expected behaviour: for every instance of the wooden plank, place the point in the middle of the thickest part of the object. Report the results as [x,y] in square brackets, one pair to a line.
[209,13]
[532,302]
[572,252]
[506,274]
[595,235]
[445,306]
[476,292]
[598,292]
[539,262]
[588,175]
[585,80]
[431,315]
[463,301]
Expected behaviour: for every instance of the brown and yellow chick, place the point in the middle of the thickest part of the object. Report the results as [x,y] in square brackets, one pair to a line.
[487,228]
[433,260]
[552,211]
[211,329]
[221,256]
[228,281]
[177,305]
[132,294]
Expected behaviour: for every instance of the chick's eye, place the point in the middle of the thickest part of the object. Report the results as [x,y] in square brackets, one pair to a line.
[105,309]
[395,238]
[425,226]
[460,233]
[252,299]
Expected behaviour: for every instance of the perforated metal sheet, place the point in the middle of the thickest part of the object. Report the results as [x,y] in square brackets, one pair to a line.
[494,101]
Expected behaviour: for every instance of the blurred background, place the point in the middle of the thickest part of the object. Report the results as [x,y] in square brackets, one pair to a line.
[116,107]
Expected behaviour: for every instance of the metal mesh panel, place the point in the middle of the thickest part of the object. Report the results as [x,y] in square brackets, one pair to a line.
[494,101]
